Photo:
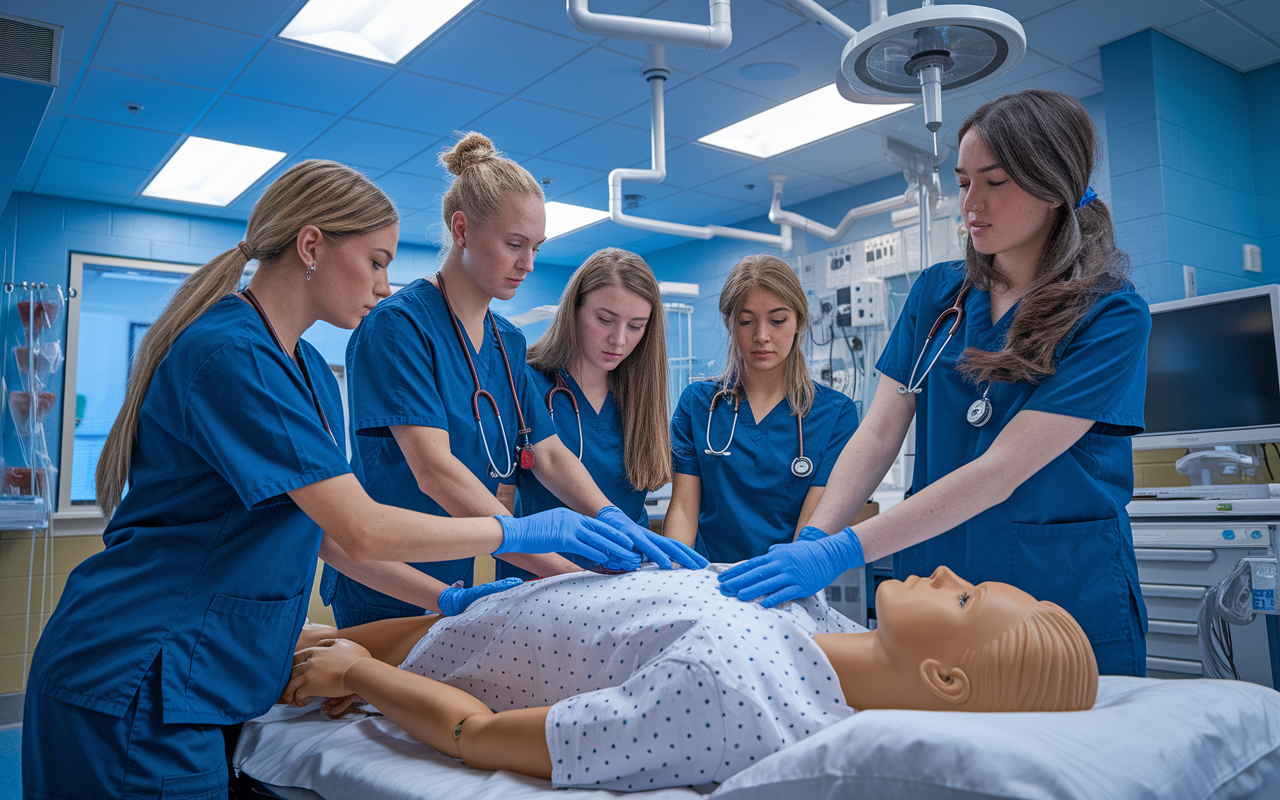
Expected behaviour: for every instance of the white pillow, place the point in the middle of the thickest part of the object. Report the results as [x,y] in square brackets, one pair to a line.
[1144,738]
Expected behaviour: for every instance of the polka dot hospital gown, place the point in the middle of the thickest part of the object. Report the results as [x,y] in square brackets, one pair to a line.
[654,678]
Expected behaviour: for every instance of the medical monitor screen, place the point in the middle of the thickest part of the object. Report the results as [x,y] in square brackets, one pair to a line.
[1213,367]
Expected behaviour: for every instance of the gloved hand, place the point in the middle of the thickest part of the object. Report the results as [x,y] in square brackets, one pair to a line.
[455,599]
[563,531]
[655,547]
[811,534]
[794,570]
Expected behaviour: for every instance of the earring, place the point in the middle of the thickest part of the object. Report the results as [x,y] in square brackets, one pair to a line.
[310,268]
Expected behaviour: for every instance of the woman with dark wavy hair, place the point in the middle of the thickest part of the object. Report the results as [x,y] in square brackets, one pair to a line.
[1023,461]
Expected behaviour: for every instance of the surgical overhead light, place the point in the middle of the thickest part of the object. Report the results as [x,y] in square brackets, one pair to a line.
[928,50]
[563,218]
[383,30]
[797,122]
[211,172]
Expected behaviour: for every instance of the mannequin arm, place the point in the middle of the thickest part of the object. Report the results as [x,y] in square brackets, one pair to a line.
[681,521]
[1027,444]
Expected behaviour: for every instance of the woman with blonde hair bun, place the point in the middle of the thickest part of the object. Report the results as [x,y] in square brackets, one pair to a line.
[601,371]
[752,449]
[231,445]
[440,404]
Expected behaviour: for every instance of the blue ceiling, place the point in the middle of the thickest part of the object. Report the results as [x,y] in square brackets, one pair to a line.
[568,106]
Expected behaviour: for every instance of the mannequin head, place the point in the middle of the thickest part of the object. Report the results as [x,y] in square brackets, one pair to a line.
[944,644]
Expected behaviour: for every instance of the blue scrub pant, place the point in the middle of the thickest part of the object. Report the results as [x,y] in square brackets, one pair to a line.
[1126,656]
[71,752]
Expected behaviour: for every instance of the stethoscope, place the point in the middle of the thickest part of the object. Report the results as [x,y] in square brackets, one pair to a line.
[561,386]
[525,450]
[297,357]
[982,409]
[801,466]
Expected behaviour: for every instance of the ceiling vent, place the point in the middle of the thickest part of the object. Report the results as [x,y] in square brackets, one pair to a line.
[28,50]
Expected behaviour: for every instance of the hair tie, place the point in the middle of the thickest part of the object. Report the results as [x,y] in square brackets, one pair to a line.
[1089,196]
[244,248]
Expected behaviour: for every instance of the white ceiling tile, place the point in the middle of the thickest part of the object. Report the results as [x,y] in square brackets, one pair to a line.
[1250,55]
[1210,32]
[165,47]
[426,105]
[1075,30]
[1261,14]
[168,107]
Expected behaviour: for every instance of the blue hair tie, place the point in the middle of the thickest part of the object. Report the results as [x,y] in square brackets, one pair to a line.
[1089,196]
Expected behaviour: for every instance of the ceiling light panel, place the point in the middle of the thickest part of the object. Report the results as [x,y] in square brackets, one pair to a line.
[382,30]
[804,120]
[563,218]
[210,172]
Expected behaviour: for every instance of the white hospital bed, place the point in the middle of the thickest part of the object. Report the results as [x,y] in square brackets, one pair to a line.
[1144,738]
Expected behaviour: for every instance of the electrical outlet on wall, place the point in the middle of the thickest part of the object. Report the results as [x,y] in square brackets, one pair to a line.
[1189,280]
[1252,258]
[868,303]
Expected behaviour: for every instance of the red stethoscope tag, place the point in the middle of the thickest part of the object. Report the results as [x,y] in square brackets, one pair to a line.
[526,457]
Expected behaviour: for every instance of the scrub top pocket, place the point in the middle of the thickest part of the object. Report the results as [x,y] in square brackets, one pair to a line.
[227,658]
[211,785]
[1076,565]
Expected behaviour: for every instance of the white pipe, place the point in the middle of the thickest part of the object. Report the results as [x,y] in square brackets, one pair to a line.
[880,10]
[779,217]
[715,36]
[657,73]
[830,21]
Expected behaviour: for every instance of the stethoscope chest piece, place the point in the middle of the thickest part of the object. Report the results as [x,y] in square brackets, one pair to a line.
[802,467]
[980,412]
[526,457]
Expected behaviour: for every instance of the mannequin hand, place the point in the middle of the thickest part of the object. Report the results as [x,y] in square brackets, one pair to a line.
[319,671]
[337,707]
[312,634]
[811,534]
[795,570]
[563,531]
[655,547]
[454,600]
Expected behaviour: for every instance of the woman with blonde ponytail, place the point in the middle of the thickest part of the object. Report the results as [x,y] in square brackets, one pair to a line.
[230,445]
[425,438]
[601,370]
[752,450]
[1023,464]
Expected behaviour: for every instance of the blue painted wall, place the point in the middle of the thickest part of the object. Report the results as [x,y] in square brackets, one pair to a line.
[1262,87]
[1183,163]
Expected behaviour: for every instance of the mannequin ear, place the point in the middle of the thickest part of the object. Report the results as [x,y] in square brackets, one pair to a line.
[951,684]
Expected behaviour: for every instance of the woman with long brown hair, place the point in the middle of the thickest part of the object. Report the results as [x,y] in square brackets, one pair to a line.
[752,450]
[601,371]
[1023,461]
[230,444]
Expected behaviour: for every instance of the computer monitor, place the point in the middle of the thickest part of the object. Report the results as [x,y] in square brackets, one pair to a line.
[1213,371]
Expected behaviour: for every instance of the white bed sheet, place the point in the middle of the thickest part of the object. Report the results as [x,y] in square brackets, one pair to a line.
[1145,738]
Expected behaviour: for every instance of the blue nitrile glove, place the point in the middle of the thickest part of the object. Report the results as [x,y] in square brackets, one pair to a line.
[655,547]
[794,570]
[455,599]
[560,530]
[811,534]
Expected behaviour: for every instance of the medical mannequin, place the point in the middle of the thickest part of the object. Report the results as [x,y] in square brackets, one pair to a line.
[753,449]
[1024,369]
[440,406]
[601,371]
[943,644]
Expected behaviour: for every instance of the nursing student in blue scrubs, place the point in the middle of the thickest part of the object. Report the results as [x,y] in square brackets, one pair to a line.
[753,450]
[230,443]
[1023,460]
[601,369]
[441,406]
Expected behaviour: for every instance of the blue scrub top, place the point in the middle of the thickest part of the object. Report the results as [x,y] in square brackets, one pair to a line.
[750,499]
[1063,535]
[406,367]
[602,455]
[208,564]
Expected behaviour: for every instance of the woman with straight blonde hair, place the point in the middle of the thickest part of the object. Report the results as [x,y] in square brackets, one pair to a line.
[601,371]
[231,444]
[441,407]
[752,450]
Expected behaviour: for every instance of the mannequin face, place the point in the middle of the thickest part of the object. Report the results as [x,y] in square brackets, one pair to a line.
[498,253]
[765,330]
[941,616]
[350,275]
[611,322]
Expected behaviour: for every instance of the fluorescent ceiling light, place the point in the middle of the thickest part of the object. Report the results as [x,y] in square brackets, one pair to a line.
[563,218]
[808,118]
[676,287]
[384,30]
[210,172]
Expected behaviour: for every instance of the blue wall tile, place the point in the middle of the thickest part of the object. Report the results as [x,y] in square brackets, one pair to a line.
[1134,147]
[1127,58]
[1137,195]
[1129,101]
[150,225]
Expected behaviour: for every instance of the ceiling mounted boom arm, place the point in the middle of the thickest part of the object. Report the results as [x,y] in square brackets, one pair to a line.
[656,73]
[779,217]
[715,36]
